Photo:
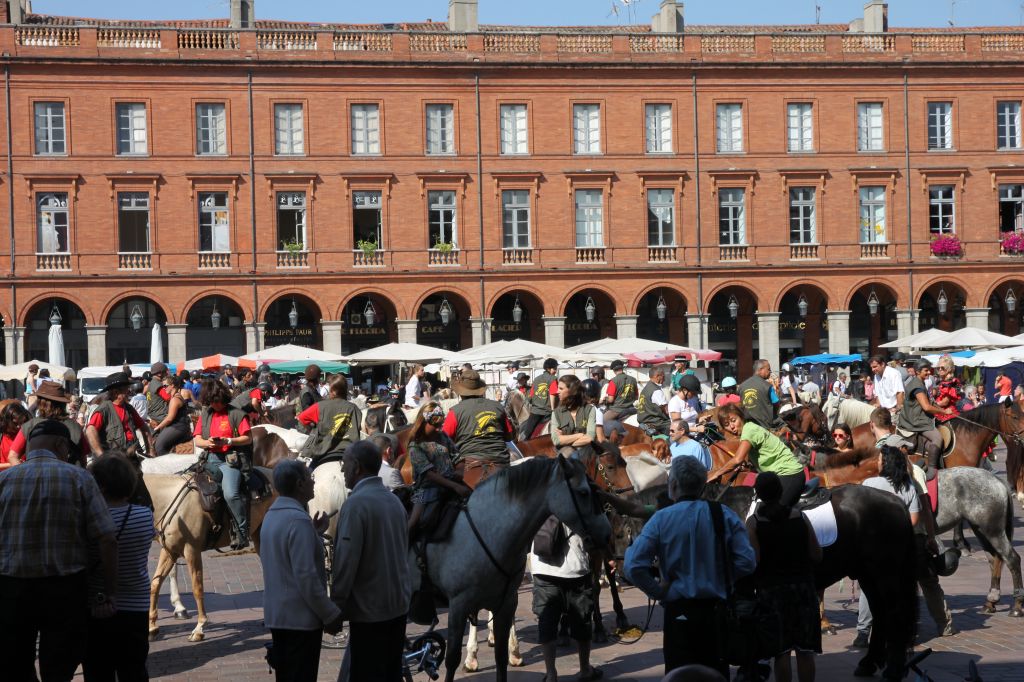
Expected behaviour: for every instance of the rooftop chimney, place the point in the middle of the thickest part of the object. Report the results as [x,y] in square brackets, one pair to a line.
[243,14]
[876,17]
[669,18]
[462,16]
[18,9]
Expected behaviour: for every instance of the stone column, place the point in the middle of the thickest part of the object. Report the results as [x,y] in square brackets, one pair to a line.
[331,330]
[407,330]
[906,324]
[625,326]
[554,331]
[768,338]
[252,337]
[19,345]
[697,331]
[176,347]
[481,328]
[96,339]
[9,348]
[977,318]
[839,332]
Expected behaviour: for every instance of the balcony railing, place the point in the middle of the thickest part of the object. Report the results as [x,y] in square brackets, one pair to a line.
[52,262]
[293,259]
[645,44]
[46,36]
[736,252]
[517,43]
[137,38]
[436,257]
[367,259]
[517,256]
[286,40]
[722,44]
[803,252]
[1011,42]
[589,255]
[214,260]
[584,43]
[869,43]
[362,42]
[134,261]
[661,254]
[798,44]
[437,42]
[198,39]
[874,250]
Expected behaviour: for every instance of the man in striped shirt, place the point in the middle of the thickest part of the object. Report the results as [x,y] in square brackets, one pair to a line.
[51,513]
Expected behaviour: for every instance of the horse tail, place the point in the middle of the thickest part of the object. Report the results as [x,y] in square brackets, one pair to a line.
[1014,465]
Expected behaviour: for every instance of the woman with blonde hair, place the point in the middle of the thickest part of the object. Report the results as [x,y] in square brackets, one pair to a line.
[949,391]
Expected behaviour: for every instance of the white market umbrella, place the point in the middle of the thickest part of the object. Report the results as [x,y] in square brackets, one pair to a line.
[20,371]
[156,345]
[610,346]
[56,345]
[970,337]
[290,352]
[928,336]
[399,352]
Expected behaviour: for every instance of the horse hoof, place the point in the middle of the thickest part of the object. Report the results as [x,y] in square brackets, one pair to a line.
[515,660]
[196,637]
[471,666]
[181,615]
[154,634]
[623,624]
[829,630]
[1016,612]
[989,607]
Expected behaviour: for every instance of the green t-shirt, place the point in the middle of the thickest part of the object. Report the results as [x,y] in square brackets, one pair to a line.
[768,452]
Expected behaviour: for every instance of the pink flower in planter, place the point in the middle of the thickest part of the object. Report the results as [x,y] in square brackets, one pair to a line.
[1013,242]
[948,245]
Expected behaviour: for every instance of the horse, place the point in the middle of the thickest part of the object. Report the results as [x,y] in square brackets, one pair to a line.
[847,411]
[875,545]
[481,564]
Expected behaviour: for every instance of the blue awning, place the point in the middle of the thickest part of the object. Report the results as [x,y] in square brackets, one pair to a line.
[826,359]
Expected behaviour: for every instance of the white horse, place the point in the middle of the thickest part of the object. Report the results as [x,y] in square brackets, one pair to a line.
[481,564]
[847,411]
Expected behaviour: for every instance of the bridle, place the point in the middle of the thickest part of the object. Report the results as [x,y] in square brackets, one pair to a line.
[1015,436]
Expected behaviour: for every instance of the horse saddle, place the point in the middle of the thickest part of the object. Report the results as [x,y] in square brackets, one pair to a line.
[540,430]
[210,493]
[813,495]
[948,438]
[439,519]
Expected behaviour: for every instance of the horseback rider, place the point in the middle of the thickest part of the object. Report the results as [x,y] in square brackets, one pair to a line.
[652,413]
[336,423]
[114,423]
[310,394]
[51,403]
[157,397]
[176,426]
[755,395]
[224,432]
[478,425]
[574,422]
[434,456]
[250,400]
[950,391]
[543,399]
[917,416]
[622,393]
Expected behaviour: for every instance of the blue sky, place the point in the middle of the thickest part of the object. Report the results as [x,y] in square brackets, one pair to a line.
[557,12]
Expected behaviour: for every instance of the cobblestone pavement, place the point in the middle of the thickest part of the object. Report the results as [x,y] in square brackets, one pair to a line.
[233,649]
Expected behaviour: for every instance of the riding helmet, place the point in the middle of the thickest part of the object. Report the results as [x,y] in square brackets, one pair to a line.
[946,563]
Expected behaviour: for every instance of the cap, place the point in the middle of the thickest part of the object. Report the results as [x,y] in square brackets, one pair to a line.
[690,383]
[158,368]
[49,427]
[728,382]
[617,364]
[513,365]
[785,367]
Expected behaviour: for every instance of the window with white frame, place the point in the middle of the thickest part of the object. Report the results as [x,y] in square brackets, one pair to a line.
[443,218]
[289,130]
[214,222]
[732,216]
[1011,208]
[941,209]
[800,127]
[365,129]
[589,218]
[872,215]
[870,136]
[131,128]
[51,134]
[515,219]
[211,130]
[52,222]
[513,129]
[133,222]
[803,224]
[940,125]
[586,128]
[729,128]
[661,217]
[291,221]
[440,129]
[1008,128]
[658,123]
[367,212]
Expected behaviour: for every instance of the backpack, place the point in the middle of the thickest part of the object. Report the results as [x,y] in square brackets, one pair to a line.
[551,542]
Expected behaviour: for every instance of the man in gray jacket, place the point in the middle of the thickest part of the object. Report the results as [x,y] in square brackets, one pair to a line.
[371,580]
[296,607]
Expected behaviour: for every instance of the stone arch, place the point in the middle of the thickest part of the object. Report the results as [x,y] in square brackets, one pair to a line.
[634,305]
[672,328]
[26,307]
[519,287]
[72,323]
[808,284]
[502,314]
[136,293]
[399,313]
[710,295]
[802,333]
[292,291]
[430,328]
[219,293]
[612,297]
[466,299]
[867,282]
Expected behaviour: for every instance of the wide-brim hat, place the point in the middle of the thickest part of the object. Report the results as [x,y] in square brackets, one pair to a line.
[52,391]
[469,384]
[116,380]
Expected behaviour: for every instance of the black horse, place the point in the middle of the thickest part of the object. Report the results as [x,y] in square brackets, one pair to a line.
[875,546]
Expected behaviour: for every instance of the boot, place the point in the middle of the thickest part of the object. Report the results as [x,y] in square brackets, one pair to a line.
[932,454]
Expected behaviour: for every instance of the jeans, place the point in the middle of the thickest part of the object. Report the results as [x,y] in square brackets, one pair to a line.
[296,655]
[928,580]
[118,646]
[694,639]
[231,483]
[54,608]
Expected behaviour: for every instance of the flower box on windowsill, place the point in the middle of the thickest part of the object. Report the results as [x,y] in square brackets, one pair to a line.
[946,247]
[1012,245]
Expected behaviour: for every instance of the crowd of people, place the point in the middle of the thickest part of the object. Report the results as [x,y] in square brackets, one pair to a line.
[83,524]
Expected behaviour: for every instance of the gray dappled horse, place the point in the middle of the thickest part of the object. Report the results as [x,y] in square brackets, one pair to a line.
[481,564]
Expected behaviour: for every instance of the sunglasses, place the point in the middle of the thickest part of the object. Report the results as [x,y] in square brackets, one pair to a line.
[839,434]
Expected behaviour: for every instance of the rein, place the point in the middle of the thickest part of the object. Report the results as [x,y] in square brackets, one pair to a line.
[187,486]
[1015,436]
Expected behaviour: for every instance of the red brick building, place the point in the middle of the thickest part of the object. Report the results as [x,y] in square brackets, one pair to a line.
[763,190]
